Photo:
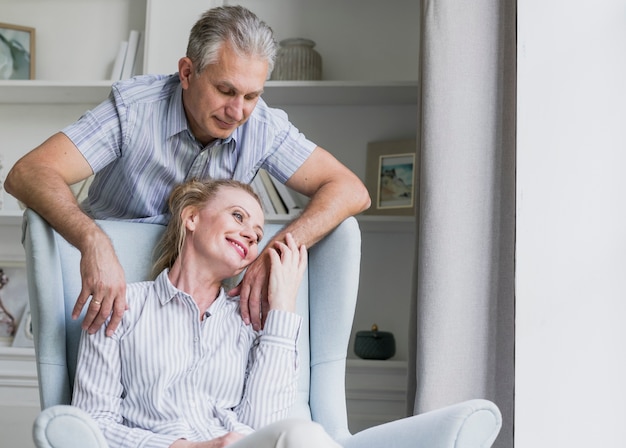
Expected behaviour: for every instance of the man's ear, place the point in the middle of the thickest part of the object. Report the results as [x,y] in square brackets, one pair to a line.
[185,71]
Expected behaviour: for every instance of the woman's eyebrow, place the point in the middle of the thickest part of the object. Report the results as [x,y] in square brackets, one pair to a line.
[257,227]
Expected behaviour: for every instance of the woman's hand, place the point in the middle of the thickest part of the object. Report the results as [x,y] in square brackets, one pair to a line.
[220,442]
[288,263]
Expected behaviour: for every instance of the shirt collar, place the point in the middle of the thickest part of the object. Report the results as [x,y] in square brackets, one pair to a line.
[166,291]
[176,121]
[164,288]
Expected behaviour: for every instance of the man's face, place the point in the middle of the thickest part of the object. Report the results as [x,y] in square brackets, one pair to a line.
[223,96]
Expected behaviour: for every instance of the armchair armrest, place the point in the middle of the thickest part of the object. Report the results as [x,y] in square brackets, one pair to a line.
[64,426]
[473,423]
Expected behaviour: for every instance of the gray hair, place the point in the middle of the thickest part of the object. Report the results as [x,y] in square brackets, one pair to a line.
[236,25]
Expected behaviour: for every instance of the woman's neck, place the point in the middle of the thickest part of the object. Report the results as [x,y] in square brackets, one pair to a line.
[199,284]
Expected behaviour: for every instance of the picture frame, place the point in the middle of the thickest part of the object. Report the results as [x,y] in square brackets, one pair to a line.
[391,177]
[17,52]
[14,299]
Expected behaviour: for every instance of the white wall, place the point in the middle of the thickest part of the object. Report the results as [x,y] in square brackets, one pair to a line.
[571,224]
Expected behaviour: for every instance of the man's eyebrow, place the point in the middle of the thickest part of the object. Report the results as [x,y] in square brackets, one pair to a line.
[229,85]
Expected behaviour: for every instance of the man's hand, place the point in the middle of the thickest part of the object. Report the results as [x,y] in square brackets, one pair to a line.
[272,281]
[252,291]
[103,280]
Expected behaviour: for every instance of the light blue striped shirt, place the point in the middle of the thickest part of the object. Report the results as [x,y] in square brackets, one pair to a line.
[139,145]
[165,374]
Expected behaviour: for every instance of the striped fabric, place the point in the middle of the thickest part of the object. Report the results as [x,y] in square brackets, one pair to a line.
[139,144]
[165,374]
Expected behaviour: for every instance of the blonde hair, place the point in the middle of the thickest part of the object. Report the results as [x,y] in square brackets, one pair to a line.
[194,193]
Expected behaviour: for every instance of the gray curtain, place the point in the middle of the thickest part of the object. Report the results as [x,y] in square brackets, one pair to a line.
[463,312]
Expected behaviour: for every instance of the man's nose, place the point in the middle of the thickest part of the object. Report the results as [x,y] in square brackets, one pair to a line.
[234,108]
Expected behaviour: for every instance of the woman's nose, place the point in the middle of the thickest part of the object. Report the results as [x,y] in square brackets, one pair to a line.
[249,234]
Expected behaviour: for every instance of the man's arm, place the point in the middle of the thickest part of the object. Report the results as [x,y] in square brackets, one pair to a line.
[336,193]
[41,180]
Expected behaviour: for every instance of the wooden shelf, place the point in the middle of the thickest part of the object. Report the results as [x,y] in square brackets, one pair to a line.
[10,218]
[279,93]
[53,92]
[17,353]
[367,223]
[393,224]
[349,93]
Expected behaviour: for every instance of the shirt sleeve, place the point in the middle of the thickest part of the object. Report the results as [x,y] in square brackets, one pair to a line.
[271,385]
[98,134]
[289,147]
[98,391]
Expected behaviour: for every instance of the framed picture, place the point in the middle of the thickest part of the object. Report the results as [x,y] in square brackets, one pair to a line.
[13,299]
[17,52]
[391,177]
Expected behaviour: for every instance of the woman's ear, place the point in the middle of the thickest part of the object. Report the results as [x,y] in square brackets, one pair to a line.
[189,217]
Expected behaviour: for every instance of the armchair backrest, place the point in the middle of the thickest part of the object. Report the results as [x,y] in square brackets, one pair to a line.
[326,300]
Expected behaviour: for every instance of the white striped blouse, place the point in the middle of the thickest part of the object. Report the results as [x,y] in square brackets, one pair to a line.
[165,374]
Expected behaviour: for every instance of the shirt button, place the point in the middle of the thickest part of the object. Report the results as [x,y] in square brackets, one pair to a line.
[196,339]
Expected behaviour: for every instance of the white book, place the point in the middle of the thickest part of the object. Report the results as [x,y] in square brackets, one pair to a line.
[138,65]
[277,202]
[266,202]
[116,72]
[129,62]
[286,195]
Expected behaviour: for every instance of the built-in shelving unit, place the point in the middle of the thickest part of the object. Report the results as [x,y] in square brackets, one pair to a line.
[313,93]
[369,92]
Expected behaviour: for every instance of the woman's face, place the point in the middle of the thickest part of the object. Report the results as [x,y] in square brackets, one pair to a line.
[228,230]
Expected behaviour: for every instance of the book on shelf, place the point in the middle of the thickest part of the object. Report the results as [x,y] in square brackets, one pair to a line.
[266,202]
[277,202]
[292,205]
[134,40]
[277,199]
[116,72]
[129,57]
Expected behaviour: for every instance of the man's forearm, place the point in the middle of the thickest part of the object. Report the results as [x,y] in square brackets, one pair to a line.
[41,180]
[328,207]
[51,197]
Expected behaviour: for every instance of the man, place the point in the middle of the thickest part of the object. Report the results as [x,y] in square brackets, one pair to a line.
[154,132]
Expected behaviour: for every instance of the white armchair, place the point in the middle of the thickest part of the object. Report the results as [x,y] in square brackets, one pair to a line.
[327,300]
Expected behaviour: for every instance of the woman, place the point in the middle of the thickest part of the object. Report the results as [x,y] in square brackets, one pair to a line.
[183,369]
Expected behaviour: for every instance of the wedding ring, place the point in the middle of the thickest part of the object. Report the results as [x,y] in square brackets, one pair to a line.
[96,302]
